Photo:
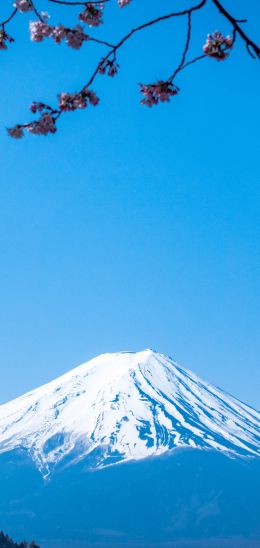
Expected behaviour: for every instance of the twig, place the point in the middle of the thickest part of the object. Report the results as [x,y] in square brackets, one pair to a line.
[14,12]
[65,3]
[250,45]
[185,51]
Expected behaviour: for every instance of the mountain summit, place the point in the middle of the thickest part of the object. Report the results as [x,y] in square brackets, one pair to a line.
[126,406]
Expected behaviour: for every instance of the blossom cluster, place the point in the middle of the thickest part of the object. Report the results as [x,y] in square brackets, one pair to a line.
[92,15]
[216,46]
[73,101]
[4,39]
[47,121]
[16,132]
[160,91]
[43,126]
[73,37]
[23,5]
[108,67]
[37,106]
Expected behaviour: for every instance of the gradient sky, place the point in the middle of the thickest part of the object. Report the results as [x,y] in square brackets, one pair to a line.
[132,227]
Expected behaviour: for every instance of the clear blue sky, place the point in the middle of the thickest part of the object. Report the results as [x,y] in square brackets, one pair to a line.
[132,228]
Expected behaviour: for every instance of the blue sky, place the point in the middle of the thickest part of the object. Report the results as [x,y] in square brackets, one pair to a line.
[132,227]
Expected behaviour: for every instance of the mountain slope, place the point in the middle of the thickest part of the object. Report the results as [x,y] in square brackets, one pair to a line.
[183,499]
[126,406]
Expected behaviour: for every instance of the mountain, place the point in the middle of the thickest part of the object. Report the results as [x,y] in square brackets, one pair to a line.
[130,450]
[126,406]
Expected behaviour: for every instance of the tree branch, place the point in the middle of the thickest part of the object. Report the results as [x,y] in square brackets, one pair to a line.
[67,3]
[159,19]
[14,12]
[217,46]
[250,45]
[185,51]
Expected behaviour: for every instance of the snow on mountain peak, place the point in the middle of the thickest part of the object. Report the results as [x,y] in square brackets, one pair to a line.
[123,406]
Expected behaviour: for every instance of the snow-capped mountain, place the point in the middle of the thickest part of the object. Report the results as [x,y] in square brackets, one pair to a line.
[126,406]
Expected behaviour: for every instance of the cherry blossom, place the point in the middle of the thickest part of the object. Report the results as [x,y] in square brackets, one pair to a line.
[58,33]
[108,67]
[47,122]
[73,101]
[92,15]
[23,5]
[39,31]
[123,3]
[73,37]
[37,107]
[92,97]
[160,91]
[4,39]
[16,132]
[216,46]
[43,126]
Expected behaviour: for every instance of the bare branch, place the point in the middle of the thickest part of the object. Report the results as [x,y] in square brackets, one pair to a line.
[67,3]
[185,51]
[159,19]
[14,12]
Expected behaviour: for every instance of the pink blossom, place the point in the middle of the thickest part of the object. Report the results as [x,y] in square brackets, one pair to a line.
[109,67]
[73,37]
[160,91]
[16,132]
[39,31]
[92,97]
[23,5]
[216,46]
[123,3]
[58,34]
[4,38]
[92,15]
[73,101]
[37,107]
[43,126]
